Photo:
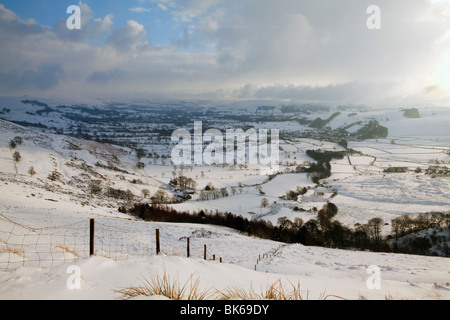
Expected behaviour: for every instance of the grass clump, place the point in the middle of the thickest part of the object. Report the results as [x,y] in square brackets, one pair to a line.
[168,287]
[173,289]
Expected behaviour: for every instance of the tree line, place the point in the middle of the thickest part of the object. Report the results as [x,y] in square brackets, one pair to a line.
[324,231]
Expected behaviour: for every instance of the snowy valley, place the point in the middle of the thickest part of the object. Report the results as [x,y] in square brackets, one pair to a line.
[63,164]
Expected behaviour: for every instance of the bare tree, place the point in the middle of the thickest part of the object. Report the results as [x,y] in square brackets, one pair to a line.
[140,153]
[31,171]
[374,229]
[438,218]
[224,192]
[160,197]
[285,223]
[16,156]
[328,211]
[298,222]
[140,165]
[241,187]
[264,203]
[145,193]
[95,187]
[12,144]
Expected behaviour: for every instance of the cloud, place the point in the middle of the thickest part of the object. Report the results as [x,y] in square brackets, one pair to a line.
[46,77]
[128,39]
[139,10]
[162,7]
[104,77]
[207,26]
[352,92]
[189,10]
[240,49]
[12,25]
[302,43]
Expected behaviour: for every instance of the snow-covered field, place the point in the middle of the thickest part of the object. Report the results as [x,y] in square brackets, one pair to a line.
[44,225]
[319,271]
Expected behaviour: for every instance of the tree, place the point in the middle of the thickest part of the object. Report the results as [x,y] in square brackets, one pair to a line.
[185,182]
[140,153]
[160,197]
[224,192]
[360,236]
[203,195]
[291,195]
[18,140]
[215,193]
[328,211]
[438,218]
[423,221]
[209,187]
[285,223]
[310,233]
[119,194]
[298,222]
[337,235]
[241,187]
[140,165]
[16,156]
[343,143]
[330,208]
[145,193]
[264,203]
[12,144]
[374,229]
[31,171]
[396,227]
[401,226]
[95,187]
[54,175]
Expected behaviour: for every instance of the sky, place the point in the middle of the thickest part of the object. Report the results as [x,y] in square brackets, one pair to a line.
[302,50]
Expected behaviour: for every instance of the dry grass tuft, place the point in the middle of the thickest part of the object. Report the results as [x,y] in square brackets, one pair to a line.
[276,291]
[11,250]
[172,289]
[68,250]
[168,287]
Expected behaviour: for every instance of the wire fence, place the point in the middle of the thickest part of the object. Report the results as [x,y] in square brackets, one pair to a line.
[45,247]
[22,245]
[120,243]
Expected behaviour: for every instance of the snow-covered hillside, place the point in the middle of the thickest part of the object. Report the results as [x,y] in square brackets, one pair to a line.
[45,212]
[319,271]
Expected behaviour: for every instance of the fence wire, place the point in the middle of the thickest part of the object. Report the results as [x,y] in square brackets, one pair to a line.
[44,247]
[22,245]
[119,243]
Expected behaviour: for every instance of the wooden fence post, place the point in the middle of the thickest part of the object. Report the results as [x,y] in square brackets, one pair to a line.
[204,251]
[188,248]
[158,248]
[91,237]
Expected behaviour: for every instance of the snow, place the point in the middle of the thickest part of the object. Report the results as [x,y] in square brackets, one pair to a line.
[320,271]
[279,185]
[35,213]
